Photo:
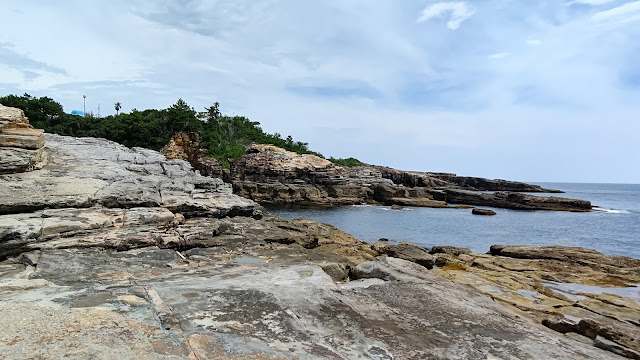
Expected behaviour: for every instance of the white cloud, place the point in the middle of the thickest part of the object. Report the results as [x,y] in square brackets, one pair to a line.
[347,76]
[460,11]
[591,2]
[623,13]
[500,55]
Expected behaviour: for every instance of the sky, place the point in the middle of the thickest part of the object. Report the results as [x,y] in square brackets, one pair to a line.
[545,90]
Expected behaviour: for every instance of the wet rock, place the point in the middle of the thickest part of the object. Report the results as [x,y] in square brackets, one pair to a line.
[477,211]
[516,201]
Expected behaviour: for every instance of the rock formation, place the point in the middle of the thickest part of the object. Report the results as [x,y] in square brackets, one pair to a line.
[269,174]
[187,146]
[579,292]
[20,144]
[110,252]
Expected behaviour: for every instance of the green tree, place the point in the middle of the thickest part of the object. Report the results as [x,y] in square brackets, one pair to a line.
[225,137]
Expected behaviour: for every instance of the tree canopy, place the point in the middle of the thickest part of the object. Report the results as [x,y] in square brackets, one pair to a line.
[225,137]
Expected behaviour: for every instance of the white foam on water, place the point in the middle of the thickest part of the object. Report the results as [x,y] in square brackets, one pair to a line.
[611,211]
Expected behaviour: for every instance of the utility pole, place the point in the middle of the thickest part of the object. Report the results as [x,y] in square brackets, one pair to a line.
[84,105]
[98,110]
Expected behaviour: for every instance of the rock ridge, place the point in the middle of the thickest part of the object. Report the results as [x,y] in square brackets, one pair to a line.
[268,174]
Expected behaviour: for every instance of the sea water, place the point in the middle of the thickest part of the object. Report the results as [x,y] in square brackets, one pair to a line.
[613,228]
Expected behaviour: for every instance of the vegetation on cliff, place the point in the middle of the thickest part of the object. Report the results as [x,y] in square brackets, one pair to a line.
[348,162]
[225,137]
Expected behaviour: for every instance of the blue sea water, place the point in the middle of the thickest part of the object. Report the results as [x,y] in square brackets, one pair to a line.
[612,229]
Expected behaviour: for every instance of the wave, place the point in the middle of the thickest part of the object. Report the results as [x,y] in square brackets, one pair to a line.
[612,211]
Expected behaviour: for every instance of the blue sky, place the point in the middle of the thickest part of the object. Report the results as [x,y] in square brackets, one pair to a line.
[524,90]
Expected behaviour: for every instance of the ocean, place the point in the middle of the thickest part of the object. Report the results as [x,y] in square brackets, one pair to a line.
[614,228]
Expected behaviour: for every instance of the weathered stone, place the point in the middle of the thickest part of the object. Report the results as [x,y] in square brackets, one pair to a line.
[569,290]
[187,146]
[516,201]
[269,174]
[128,304]
[477,211]
[12,115]
[337,272]
[13,160]
[140,257]
[407,251]
[24,138]
[452,250]
[615,348]
[20,144]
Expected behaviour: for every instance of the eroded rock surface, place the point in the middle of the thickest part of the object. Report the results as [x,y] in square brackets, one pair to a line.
[187,146]
[110,252]
[156,303]
[578,292]
[20,143]
[269,174]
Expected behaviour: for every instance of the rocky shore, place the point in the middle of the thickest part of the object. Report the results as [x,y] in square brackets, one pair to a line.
[271,175]
[111,252]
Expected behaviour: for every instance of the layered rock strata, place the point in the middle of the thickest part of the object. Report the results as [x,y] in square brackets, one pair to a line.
[581,293]
[269,174]
[187,146]
[20,144]
[110,252]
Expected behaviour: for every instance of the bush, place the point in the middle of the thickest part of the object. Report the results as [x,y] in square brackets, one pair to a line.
[348,162]
[225,137]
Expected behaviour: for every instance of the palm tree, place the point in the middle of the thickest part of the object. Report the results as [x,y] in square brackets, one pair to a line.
[118,106]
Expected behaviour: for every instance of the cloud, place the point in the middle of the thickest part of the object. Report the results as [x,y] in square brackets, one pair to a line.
[591,2]
[24,63]
[460,11]
[623,13]
[348,76]
[500,55]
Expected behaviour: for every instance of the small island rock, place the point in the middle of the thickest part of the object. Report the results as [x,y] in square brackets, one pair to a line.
[477,211]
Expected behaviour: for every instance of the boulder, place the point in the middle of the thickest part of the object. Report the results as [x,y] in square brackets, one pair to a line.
[477,211]
[407,251]
[451,250]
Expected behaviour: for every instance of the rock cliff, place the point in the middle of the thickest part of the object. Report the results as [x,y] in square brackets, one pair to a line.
[187,146]
[20,143]
[110,252]
[269,174]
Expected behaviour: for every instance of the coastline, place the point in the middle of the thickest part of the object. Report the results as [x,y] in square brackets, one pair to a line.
[111,251]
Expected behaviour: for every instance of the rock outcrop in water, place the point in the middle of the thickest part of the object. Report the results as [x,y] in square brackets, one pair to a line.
[110,252]
[269,174]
